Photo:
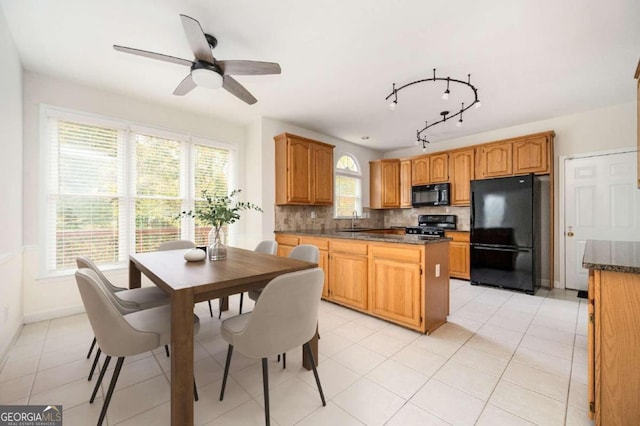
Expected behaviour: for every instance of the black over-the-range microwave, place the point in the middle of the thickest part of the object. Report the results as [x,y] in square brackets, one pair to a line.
[430,195]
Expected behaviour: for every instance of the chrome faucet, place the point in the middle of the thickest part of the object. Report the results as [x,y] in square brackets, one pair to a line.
[354,217]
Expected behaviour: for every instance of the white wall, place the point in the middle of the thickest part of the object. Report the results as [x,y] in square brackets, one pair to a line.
[50,297]
[585,132]
[11,146]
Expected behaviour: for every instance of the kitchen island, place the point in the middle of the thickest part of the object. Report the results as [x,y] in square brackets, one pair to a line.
[403,279]
[614,331]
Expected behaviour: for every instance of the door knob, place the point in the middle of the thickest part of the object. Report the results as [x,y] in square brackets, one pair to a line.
[570,232]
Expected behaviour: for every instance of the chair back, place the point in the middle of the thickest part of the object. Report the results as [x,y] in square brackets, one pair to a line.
[306,252]
[176,245]
[285,315]
[115,336]
[267,246]
[85,262]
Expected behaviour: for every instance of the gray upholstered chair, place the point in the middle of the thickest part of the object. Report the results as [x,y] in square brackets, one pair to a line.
[176,245]
[127,300]
[268,247]
[285,317]
[122,335]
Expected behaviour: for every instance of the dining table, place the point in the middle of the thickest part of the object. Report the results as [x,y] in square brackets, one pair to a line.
[188,283]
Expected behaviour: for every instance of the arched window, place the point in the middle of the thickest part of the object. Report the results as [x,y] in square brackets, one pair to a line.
[348,192]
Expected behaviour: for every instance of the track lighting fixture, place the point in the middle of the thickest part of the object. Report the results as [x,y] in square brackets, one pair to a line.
[445,96]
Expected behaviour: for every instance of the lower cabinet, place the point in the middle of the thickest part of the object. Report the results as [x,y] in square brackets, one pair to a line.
[459,253]
[348,266]
[323,261]
[395,282]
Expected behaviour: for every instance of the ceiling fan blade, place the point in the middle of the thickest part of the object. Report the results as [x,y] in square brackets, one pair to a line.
[196,39]
[185,86]
[249,67]
[152,55]
[238,90]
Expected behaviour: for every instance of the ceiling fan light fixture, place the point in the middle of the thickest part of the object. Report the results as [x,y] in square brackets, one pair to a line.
[204,77]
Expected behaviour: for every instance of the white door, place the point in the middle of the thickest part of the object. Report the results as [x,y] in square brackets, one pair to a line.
[601,203]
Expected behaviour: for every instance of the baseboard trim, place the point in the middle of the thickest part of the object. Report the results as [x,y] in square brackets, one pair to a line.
[53,313]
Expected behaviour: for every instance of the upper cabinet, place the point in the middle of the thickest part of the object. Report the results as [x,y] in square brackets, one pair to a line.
[439,168]
[304,171]
[405,183]
[518,156]
[420,170]
[462,169]
[384,183]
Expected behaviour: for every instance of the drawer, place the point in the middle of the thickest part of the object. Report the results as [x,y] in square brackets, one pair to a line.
[287,240]
[351,247]
[458,236]
[397,252]
[321,243]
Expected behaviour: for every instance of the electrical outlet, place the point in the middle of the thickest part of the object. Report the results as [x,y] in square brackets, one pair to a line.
[437,270]
[313,214]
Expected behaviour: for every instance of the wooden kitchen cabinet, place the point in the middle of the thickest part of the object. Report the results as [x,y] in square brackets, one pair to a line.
[348,266]
[494,160]
[323,260]
[531,155]
[405,183]
[439,168]
[286,243]
[395,273]
[459,254]
[384,184]
[304,171]
[420,170]
[462,171]
[612,343]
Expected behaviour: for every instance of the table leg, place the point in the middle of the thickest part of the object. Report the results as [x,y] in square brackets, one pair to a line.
[313,343]
[223,303]
[182,357]
[135,277]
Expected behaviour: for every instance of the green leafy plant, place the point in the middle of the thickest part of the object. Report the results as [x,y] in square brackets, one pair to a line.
[220,210]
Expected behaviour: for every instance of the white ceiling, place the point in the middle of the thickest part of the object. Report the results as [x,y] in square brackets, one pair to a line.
[529,59]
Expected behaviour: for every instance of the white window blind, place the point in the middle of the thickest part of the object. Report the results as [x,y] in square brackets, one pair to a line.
[348,192]
[112,189]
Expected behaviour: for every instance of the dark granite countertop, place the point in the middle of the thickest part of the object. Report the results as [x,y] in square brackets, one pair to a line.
[618,256]
[367,236]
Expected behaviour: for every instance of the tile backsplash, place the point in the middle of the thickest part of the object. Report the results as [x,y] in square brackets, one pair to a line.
[320,218]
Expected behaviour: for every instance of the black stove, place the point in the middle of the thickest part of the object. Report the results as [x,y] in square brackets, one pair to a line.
[433,225]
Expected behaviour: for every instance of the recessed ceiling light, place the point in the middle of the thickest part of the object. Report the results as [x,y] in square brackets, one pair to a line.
[364,138]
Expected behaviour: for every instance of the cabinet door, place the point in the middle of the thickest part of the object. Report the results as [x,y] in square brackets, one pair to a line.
[396,291]
[462,165]
[459,260]
[531,156]
[390,184]
[323,175]
[420,170]
[348,284]
[323,263]
[405,183]
[299,167]
[495,160]
[439,168]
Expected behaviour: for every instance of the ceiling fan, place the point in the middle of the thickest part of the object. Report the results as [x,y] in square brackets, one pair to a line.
[206,71]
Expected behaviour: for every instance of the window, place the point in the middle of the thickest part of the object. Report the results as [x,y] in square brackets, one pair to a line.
[348,191]
[113,188]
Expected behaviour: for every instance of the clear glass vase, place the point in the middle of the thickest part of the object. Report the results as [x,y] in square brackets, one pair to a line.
[216,249]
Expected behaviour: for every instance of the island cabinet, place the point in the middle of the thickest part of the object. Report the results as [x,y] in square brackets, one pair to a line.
[384,184]
[462,171]
[348,266]
[459,254]
[395,282]
[304,171]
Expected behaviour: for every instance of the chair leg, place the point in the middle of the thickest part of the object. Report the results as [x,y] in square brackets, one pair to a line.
[91,348]
[210,309]
[166,350]
[100,377]
[241,298]
[112,385]
[307,347]
[95,362]
[195,390]
[226,371]
[265,385]
[219,307]
[284,360]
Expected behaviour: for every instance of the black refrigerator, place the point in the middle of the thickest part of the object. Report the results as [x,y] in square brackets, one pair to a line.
[505,235]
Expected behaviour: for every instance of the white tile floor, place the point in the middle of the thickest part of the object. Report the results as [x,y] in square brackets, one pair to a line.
[503,358]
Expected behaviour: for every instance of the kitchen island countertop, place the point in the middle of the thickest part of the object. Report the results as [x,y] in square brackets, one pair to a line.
[618,256]
[370,236]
